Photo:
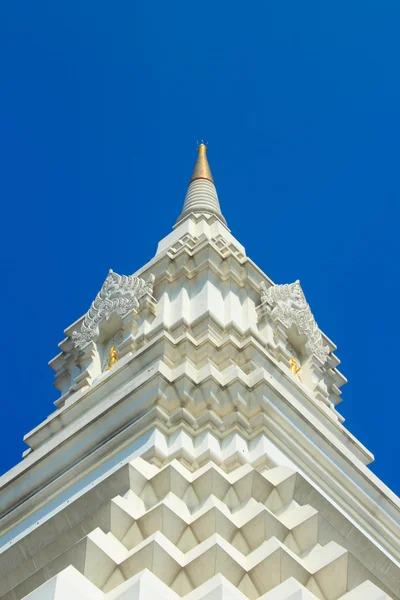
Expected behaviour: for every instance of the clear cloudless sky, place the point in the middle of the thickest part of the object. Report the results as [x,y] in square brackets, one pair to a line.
[101,105]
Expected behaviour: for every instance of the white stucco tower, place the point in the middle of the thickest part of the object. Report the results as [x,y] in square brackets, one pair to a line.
[195,451]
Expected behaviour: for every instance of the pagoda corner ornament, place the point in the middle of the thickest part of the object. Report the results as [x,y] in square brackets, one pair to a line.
[291,307]
[119,294]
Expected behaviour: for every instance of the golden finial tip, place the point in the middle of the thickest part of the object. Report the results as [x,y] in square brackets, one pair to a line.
[202,168]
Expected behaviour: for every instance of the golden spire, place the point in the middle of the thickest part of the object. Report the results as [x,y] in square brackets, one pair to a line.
[201,196]
[202,168]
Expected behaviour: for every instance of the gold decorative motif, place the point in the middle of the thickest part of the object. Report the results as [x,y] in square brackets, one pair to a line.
[112,357]
[202,168]
[294,366]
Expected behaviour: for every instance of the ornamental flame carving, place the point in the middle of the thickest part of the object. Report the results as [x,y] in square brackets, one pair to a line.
[119,294]
[291,307]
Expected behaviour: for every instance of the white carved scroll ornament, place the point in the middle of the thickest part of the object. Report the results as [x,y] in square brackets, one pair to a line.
[290,306]
[119,294]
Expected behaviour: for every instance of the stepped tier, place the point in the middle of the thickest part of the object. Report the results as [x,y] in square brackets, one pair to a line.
[259,530]
[70,584]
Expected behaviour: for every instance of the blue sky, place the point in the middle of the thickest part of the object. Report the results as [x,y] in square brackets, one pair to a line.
[101,106]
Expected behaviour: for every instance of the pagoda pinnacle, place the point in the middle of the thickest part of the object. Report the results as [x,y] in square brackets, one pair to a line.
[202,168]
[201,195]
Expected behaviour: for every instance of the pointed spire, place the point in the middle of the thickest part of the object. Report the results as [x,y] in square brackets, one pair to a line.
[201,196]
[202,168]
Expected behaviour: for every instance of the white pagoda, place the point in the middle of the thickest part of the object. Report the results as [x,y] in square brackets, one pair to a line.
[196,451]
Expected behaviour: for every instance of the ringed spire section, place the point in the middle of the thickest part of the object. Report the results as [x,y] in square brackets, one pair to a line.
[201,195]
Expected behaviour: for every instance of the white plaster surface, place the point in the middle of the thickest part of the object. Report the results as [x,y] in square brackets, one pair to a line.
[200,466]
[201,197]
[186,524]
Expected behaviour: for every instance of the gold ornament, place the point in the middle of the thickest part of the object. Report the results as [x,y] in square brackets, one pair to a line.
[112,357]
[294,366]
[202,168]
